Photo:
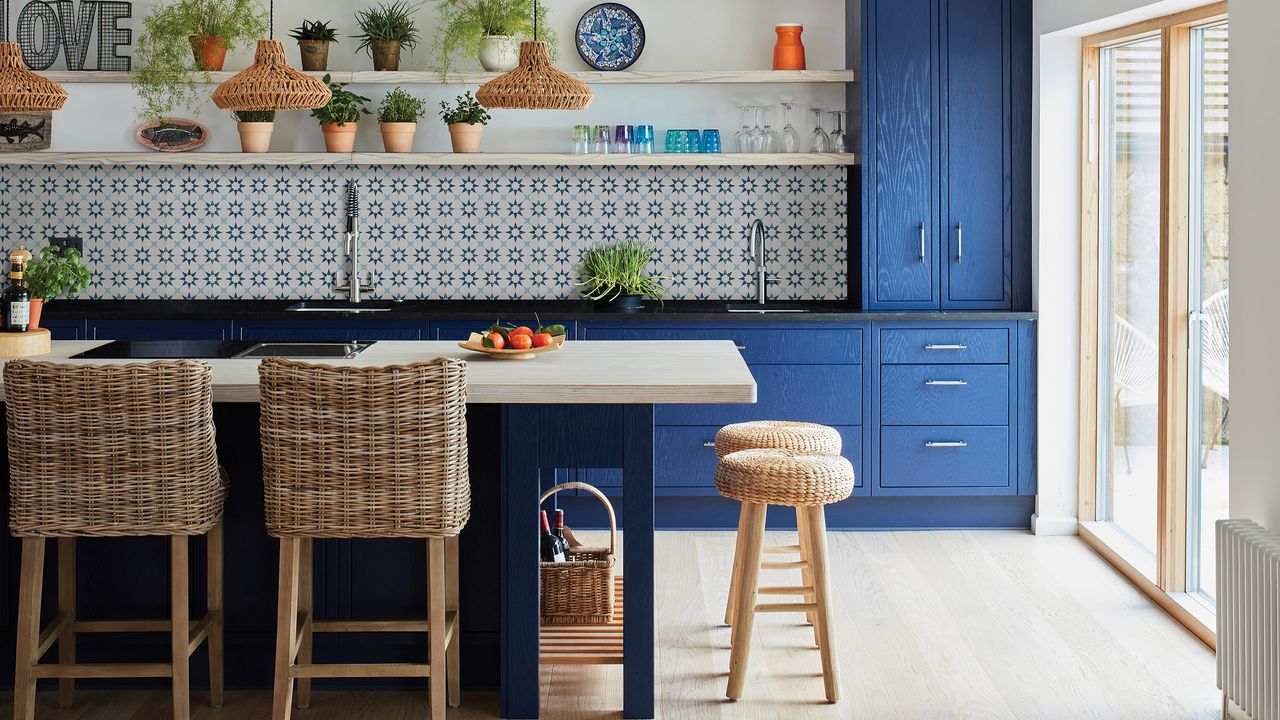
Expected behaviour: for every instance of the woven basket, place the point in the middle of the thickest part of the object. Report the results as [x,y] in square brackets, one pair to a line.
[271,84]
[579,591]
[22,90]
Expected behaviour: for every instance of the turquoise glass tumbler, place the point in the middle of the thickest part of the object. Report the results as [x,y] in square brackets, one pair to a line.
[711,141]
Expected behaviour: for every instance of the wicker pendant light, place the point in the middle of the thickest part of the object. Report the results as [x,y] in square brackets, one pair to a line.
[535,84]
[270,83]
[22,90]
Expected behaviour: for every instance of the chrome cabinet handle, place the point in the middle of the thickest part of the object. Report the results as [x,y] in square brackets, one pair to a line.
[946,347]
[709,444]
[959,242]
[922,243]
[956,383]
[741,347]
[955,444]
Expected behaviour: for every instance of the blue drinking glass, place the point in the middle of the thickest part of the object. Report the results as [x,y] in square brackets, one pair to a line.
[695,141]
[711,141]
[677,141]
[644,140]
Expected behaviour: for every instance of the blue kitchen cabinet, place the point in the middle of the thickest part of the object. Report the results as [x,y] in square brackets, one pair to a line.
[160,330]
[64,328]
[314,330]
[946,178]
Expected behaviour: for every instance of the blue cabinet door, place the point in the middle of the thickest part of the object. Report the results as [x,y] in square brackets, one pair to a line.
[976,151]
[64,329]
[160,330]
[900,136]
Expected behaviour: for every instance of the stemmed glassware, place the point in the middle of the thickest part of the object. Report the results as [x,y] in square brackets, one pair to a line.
[743,136]
[790,139]
[758,137]
[839,141]
[772,140]
[820,143]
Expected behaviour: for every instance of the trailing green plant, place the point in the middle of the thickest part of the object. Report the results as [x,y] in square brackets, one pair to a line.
[254,115]
[611,270]
[388,21]
[401,107]
[465,109]
[314,30]
[464,24]
[164,66]
[55,272]
[345,106]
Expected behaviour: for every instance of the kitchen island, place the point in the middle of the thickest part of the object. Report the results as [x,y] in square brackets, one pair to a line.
[590,405]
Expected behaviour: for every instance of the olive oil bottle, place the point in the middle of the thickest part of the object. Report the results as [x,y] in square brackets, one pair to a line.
[16,299]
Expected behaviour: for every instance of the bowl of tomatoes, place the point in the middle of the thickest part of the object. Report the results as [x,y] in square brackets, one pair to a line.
[520,342]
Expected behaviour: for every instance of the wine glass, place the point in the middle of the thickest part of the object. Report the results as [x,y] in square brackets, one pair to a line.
[790,141]
[758,137]
[743,136]
[839,141]
[820,143]
[771,135]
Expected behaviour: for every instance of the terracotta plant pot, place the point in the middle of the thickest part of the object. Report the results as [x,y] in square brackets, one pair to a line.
[315,55]
[255,137]
[466,137]
[499,53]
[210,51]
[386,54]
[37,305]
[339,138]
[397,137]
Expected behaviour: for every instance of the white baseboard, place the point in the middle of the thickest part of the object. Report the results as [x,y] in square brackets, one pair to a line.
[1050,525]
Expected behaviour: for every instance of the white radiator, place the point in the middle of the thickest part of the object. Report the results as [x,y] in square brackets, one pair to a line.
[1249,617]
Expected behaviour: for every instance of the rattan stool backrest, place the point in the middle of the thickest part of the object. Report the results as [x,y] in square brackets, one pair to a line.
[112,450]
[365,451]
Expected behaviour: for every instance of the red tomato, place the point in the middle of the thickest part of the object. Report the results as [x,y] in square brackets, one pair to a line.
[496,340]
[520,342]
[522,330]
[542,339]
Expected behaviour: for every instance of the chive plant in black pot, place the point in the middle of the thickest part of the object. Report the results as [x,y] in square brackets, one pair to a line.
[613,275]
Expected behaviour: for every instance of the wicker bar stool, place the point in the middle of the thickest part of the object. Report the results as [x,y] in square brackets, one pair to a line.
[365,452]
[801,437]
[759,478]
[113,451]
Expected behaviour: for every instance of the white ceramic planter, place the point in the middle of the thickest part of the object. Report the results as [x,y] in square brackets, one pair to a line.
[499,53]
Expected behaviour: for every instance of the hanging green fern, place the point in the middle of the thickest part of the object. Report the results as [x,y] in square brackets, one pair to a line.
[464,24]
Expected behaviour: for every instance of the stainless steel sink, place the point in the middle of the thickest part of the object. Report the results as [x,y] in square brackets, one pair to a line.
[343,306]
[750,307]
[308,351]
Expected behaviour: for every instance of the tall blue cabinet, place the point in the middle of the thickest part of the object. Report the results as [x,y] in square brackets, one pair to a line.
[946,154]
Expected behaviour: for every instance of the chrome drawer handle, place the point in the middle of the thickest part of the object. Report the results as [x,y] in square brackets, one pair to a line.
[741,347]
[922,243]
[932,444]
[709,444]
[946,347]
[954,383]
[960,242]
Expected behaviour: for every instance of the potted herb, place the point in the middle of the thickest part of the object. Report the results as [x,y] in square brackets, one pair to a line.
[255,128]
[313,38]
[466,121]
[487,29]
[385,29]
[55,272]
[338,118]
[182,37]
[613,274]
[398,119]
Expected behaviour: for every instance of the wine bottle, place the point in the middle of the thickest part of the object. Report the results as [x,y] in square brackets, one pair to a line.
[549,547]
[16,299]
[557,529]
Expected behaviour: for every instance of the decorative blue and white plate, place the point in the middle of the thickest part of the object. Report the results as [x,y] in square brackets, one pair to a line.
[610,37]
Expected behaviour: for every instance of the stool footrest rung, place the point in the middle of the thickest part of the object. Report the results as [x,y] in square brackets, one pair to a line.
[100,670]
[787,607]
[785,590]
[791,565]
[357,670]
[782,549]
[370,626]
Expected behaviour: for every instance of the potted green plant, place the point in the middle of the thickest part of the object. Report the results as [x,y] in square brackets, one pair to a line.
[313,38]
[255,127]
[182,37]
[466,120]
[55,272]
[488,30]
[398,119]
[613,275]
[338,119]
[385,29]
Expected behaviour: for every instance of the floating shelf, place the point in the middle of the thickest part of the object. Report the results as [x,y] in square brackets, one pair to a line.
[455,159]
[624,77]
[585,644]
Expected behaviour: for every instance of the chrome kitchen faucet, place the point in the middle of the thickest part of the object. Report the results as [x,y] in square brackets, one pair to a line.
[758,257]
[353,287]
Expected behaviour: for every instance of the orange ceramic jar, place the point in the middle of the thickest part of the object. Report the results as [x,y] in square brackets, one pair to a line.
[788,53]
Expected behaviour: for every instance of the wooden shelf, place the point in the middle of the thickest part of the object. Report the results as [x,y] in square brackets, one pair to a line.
[585,644]
[625,77]
[452,159]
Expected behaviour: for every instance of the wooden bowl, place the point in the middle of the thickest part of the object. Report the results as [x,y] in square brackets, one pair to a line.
[506,354]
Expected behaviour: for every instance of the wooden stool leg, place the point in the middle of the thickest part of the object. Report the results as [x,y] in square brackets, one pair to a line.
[24,685]
[436,626]
[286,624]
[180,628]
[745,614]
[453,657]
[736,575]
[817,524]
[806,570]
[306,607]
[67,605]
[214,586]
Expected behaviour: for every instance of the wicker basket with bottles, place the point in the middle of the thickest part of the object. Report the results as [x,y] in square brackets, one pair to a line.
[580,590]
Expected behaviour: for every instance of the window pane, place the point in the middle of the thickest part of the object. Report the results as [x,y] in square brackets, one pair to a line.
[1210,436]
[1129,276]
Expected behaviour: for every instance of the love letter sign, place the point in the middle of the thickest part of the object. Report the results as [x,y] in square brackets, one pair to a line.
[48,27]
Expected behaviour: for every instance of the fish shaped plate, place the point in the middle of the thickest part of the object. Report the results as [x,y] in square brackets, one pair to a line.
[172,135]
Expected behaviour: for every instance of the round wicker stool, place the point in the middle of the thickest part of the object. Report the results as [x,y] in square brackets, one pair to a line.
[113,451]
[758,479]
[802,437]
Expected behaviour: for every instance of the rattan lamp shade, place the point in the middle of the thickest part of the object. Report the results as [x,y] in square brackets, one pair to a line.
[535,84]
[22,90]
[271,84]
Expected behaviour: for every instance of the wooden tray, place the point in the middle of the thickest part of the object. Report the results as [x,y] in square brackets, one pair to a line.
[506,354]
[24,344]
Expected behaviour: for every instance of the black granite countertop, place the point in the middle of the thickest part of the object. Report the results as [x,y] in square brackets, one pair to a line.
[507,310]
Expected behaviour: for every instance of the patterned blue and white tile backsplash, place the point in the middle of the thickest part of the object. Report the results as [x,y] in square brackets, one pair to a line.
[430,232]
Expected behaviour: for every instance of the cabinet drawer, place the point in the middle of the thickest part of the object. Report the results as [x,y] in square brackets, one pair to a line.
[796,346]
[827,394]
[944,345]
[944,395]
[944,460]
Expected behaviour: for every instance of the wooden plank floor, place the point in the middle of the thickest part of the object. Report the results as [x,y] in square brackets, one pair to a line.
[930,626]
